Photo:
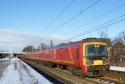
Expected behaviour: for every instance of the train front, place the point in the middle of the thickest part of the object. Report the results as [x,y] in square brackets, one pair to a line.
[95,59]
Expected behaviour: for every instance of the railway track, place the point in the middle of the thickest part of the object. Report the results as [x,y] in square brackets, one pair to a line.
[106,80]
[66,77]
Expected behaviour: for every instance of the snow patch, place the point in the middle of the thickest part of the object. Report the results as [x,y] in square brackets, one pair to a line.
[116,68]
[19,72]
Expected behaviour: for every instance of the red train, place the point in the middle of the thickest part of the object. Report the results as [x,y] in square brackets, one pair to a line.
[87,57]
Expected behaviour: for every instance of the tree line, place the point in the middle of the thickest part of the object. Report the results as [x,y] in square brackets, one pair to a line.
[31,48]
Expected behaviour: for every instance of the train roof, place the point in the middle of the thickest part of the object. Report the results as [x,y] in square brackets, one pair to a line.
[106,40]
[68,44]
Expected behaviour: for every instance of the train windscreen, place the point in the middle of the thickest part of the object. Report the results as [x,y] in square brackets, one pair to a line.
[96,52]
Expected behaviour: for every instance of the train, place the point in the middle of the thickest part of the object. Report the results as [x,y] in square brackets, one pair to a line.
[88,57]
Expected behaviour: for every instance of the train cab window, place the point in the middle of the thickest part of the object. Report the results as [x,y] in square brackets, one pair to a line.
[90,50]
[96,50]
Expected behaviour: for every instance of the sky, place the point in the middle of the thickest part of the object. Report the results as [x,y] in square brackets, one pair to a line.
[26,22]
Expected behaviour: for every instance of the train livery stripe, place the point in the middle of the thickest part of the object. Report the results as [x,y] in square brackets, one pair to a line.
[60,61]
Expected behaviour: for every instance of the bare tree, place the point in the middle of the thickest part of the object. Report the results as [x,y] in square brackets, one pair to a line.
[117,40]
[118,47]
[29,48]
[43,46]
[123,36]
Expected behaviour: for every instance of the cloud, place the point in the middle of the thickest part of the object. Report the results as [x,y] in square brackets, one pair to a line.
[16,40]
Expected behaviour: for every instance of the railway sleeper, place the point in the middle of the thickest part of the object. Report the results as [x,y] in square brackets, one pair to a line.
[76,71]
[61,66]
[52,65]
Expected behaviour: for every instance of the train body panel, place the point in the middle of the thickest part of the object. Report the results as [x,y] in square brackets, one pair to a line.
[66,55]
[85,55]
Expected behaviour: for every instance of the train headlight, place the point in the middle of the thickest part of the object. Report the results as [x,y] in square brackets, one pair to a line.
[89,62]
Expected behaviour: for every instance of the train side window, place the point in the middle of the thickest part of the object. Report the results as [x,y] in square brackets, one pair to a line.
[77,53]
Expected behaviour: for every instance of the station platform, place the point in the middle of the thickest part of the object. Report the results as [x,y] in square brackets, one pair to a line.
[15,71]
[116,68]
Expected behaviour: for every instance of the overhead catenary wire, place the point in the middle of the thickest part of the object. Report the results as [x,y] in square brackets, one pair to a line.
[104,25]
[98,17]
[91,29]
[81,4]
[72,18]
[58,15]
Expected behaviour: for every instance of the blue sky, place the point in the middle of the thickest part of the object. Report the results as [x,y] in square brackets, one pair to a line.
[34,15]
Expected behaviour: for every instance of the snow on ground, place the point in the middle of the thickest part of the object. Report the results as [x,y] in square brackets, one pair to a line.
[10,76]
[5,58]
[19,72]
[116,68]
[33,74]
